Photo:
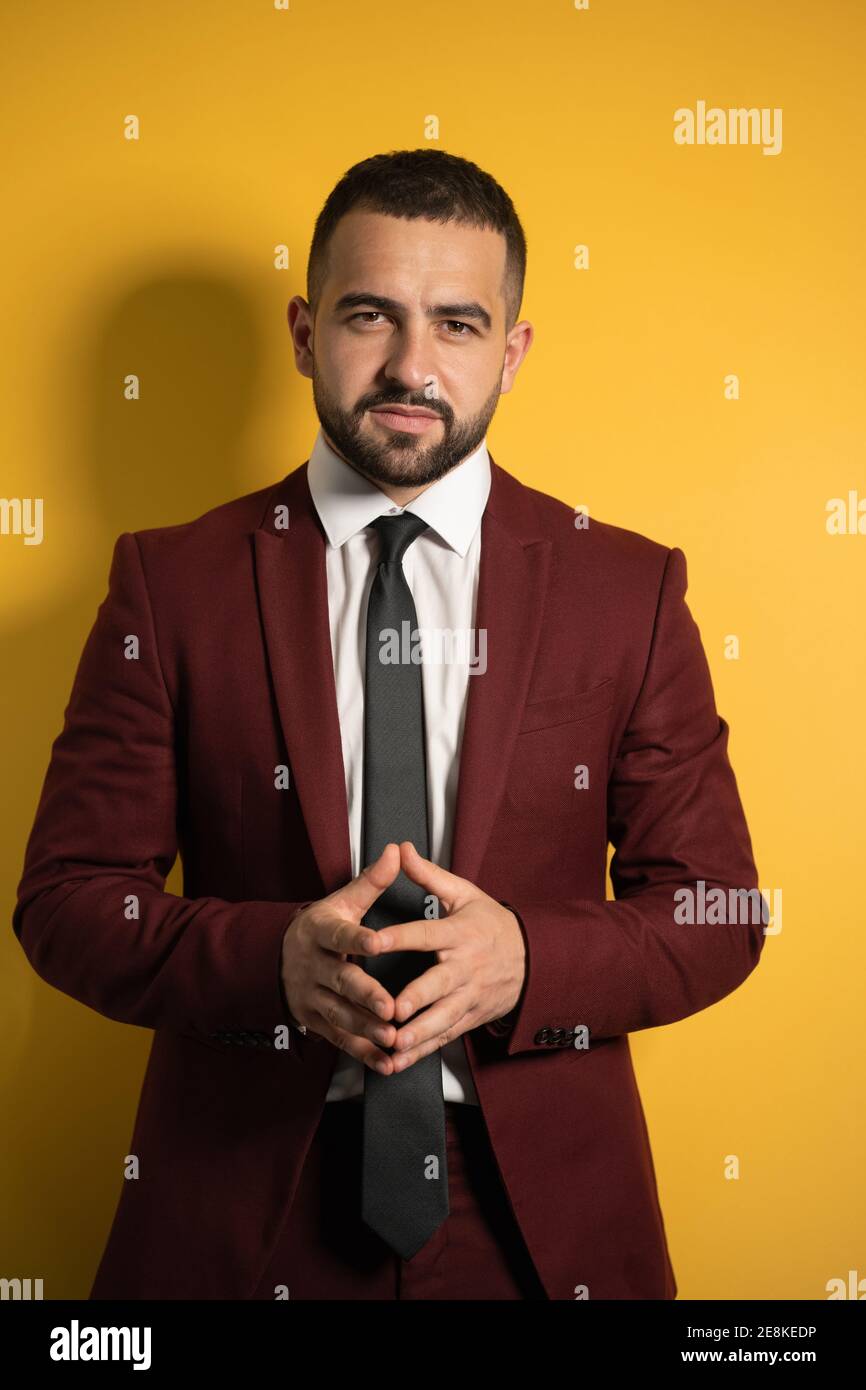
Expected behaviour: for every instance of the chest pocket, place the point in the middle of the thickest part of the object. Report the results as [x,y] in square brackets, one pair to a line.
[555,736]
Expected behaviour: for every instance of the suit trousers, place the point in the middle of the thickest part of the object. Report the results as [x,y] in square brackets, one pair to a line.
[326,1252]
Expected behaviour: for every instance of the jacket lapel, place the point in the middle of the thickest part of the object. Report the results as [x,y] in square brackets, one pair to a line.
[293,594]
[292,582]
[512,584]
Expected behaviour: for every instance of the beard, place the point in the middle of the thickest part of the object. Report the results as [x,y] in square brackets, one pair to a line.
[403,460]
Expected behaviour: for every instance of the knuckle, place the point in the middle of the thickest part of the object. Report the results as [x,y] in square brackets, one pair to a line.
[336,936]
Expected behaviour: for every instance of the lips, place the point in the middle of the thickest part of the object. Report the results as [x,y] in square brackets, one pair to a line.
[404,421]
[403,410]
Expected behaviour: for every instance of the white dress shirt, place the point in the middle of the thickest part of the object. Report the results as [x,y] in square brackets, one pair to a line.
[441,569]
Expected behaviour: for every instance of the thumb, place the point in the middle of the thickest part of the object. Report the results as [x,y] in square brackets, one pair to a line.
[358,896]
[449,888]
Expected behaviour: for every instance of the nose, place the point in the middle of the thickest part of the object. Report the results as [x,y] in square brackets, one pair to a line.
[408,364]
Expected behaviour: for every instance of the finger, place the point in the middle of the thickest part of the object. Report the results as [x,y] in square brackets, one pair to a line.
[357,896]
[345,937]
[343,1015]
[433,1030]
[359,1048]
[433,934]
[355,984]
[445,886]
[434,984]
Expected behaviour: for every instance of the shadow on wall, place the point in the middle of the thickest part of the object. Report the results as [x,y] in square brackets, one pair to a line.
[72,1078]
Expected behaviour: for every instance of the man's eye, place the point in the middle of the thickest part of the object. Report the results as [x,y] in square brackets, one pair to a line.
[464,328]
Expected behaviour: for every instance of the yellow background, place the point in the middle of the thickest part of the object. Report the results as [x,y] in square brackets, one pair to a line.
[156,257]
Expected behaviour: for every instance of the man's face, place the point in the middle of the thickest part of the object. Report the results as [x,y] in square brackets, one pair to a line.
[411,315]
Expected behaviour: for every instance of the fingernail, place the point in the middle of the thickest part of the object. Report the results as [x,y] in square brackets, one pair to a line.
[384,940]
[383,1068]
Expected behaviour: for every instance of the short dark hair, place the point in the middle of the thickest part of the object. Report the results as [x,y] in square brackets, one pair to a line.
[426,183]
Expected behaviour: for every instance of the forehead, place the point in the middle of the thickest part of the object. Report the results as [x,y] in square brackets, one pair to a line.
[413,258]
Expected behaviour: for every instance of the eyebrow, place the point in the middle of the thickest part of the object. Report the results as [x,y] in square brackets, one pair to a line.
[471,309]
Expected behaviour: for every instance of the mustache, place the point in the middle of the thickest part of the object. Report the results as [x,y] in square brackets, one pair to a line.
[424,404]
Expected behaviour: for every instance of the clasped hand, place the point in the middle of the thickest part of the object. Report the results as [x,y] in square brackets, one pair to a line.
[478,975]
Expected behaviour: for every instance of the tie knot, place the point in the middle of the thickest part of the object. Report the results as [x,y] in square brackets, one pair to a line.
[396,534]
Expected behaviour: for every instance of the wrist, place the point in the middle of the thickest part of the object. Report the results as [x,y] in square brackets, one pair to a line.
[501,1027]
[284,993]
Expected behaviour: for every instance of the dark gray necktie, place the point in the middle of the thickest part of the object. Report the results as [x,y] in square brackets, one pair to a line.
[405,1178]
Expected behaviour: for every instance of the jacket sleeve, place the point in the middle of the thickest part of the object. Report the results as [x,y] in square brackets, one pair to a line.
[674,819]
[92,915]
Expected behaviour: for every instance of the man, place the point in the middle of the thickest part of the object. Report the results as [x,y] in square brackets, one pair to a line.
[396,866]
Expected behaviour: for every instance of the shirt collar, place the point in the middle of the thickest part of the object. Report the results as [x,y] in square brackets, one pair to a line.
[347,502]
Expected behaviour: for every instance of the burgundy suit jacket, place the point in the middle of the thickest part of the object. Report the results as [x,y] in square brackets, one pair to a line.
[593,660]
